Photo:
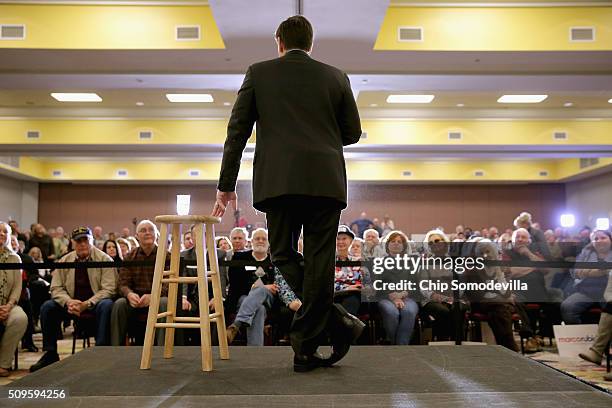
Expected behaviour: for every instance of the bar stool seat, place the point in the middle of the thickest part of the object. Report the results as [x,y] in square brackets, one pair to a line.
[204,238]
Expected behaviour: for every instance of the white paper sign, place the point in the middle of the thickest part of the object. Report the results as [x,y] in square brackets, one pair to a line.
[574,339]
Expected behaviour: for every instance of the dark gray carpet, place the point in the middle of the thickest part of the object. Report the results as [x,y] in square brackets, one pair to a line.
[257,376]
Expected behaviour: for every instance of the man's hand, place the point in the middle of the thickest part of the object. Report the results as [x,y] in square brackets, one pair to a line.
[186,305]
[211,305]
[399,303]
[134,299]
[145,300]
[295,305]
[74,307]
[4,311]
[273,288]
[223,199]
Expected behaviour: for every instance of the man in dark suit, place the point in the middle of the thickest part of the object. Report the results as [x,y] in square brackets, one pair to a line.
[305,113]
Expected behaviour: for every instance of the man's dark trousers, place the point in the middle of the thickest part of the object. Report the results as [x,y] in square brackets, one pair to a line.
[313,282]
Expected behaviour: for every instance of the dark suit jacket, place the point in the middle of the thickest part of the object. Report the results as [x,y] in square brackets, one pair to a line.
[305,113]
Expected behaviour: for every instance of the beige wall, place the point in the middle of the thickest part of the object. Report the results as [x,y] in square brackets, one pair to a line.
[18,201]
[590,199]
[415,208]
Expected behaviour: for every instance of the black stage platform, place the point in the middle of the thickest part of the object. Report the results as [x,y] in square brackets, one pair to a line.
[370,376]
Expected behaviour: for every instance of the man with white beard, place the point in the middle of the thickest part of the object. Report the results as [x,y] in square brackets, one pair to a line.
[255,289]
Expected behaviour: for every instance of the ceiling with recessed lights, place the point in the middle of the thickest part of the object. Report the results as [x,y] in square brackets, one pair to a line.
[465,80]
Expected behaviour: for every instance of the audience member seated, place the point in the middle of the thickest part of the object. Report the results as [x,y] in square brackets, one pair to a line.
[27,341]
[39,282]
[43,241]
[135,284]
[356,249]
[372,247]
[262,296]
[60,243]
[13,320]
[361,224]
[348,279]
[537,241]
[398,309]
[133,242]
[79,293]
[589,284]
[113,250]
[238,237]
[224,243]
[604,332]
[188,240]
[15,231]
[542,319]
[387,225]
[439,304]
[188,299]
[496,305]
[98,237]
[124,246]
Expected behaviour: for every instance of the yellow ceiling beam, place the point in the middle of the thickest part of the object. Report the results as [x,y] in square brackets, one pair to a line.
[109,27]
[380,132]
[569,168]
[486,132]
[358,170]
[115,132]
[496,29]
[28,167]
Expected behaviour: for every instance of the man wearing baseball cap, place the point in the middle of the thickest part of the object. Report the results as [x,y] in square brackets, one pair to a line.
[76,292]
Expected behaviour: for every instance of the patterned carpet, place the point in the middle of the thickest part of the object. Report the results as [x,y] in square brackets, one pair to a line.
[579,369]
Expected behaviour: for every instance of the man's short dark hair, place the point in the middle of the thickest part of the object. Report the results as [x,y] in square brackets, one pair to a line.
[295,32]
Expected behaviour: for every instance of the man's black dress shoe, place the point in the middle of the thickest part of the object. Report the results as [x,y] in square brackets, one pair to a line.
[349,330]
[307,362]
[48,358]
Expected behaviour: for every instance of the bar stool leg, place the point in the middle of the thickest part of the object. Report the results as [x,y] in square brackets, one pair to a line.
[160,261]
[172,289]
[217,295]
[206,347]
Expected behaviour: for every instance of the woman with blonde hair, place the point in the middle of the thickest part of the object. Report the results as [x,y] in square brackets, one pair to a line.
[124,246]
[13,320]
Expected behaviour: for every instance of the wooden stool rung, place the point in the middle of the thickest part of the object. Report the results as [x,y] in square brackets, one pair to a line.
[181,279]
[178,325]
[164,314]
[168,273]
[187,319]
[213,317]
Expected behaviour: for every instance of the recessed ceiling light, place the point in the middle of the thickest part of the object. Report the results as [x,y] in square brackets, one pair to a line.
[610,100]
[139,103]
[410,98]
[76,97]
[373,105]
[460,105]
[522,98]
[568,104]
[226,103]
[202,98]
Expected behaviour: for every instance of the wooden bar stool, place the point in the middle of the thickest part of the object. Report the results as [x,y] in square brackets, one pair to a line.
[204,234]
